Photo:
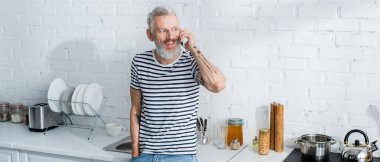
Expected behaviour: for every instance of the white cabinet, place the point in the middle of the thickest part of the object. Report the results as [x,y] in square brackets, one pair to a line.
[8,155]
[29,156]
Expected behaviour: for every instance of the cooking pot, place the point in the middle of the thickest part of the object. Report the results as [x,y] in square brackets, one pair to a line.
[358,152]
[315,146]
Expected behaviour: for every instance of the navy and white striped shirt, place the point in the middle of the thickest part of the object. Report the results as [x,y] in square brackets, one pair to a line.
[170,97]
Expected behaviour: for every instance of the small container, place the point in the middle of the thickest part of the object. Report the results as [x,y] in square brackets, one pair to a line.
[235,144]
[4,112]
[26,115]
[264,137]
[235,130]
[255,143]
[17,113]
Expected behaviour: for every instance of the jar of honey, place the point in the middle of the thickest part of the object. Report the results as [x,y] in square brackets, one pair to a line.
[235,130]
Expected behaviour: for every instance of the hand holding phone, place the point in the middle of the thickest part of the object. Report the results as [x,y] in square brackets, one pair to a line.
[186,39]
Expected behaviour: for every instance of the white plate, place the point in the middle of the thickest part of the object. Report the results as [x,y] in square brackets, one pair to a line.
[56,89]
[66,100]
[80,106]
[74,99]
[94,98]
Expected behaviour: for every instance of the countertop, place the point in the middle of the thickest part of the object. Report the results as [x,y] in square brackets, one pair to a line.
[73,142]
[249,154]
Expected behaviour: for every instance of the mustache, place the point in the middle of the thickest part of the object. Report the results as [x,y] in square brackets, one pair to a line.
[169,40]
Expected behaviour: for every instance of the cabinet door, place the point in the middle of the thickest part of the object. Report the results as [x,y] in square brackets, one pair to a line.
[29,156]
[8,155]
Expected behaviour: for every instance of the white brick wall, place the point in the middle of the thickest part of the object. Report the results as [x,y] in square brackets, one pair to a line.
[318,57]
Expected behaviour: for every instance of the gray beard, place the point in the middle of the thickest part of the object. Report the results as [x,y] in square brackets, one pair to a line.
[167,54]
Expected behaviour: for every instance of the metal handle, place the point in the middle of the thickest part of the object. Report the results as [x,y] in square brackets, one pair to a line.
[332,141]
[300,142]
[358,131]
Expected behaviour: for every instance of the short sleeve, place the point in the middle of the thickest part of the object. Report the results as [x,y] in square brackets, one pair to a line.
[135,84]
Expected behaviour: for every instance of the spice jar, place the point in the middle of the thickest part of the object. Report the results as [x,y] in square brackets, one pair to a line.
[264,137]
[235,130]
[235,145]
[17,113]
[255,143]
[4,111]
[26,115]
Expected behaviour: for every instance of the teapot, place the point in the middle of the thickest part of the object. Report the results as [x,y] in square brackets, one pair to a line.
[358,152]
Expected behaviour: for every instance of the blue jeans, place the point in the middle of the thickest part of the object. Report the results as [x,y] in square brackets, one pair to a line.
[164,158]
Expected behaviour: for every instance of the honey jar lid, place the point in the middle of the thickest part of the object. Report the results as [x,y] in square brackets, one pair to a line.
[235,121]
[264,130]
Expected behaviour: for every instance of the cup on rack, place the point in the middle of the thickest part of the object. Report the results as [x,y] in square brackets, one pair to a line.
[114,129]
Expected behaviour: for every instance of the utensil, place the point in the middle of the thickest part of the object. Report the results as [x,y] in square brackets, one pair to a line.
[204,139]
[202,128]
[358,152]
[315,146]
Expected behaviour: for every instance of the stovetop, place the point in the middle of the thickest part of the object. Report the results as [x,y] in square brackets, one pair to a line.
[296,156]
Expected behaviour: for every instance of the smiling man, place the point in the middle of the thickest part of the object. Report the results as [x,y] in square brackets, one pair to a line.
[164,91]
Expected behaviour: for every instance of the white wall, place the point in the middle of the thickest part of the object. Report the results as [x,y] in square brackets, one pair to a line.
[318,57]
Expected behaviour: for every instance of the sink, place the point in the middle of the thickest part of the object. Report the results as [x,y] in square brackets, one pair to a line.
[124,145]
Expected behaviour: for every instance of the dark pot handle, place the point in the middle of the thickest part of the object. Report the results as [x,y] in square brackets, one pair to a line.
[359,131]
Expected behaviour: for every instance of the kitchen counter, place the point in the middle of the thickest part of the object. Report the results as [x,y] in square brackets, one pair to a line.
[62,141]
[73,142]
[248,154]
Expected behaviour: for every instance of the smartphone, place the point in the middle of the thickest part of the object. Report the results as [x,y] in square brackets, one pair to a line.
[184,41]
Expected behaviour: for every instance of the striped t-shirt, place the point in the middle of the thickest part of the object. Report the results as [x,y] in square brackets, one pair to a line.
[170,97]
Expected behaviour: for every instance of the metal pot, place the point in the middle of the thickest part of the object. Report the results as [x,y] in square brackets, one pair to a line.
[358,152]
[315,146]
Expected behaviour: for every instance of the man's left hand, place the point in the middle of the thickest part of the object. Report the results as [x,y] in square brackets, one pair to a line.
[185,34]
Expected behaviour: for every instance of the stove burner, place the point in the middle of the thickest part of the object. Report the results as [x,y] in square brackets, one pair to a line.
[296,156]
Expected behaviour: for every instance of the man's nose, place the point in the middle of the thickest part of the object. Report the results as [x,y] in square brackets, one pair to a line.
[171,35]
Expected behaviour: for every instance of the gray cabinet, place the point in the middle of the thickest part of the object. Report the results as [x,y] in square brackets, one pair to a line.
[29,156]
[8,155]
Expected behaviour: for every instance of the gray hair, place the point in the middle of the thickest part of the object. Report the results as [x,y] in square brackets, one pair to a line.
[159,11]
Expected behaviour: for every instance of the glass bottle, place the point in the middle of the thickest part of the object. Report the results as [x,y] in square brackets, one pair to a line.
[26,115]
[235,130]
[4,111]
[255,143]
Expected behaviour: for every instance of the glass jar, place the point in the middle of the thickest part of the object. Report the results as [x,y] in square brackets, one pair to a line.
[255,143]
[26,115]
[235,130]
[4,111]
[264,137]
[17,113]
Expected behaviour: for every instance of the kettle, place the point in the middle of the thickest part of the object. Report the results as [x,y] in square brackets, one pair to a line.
[357,152]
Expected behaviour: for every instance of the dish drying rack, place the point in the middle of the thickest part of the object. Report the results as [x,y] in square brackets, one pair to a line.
[76,121]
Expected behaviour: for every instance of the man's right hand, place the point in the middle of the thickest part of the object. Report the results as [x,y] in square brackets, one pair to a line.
[135,114]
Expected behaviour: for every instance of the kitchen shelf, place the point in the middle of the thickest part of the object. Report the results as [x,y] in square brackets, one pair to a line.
[77,121]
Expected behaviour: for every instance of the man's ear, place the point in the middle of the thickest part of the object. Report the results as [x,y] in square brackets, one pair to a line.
[149,34]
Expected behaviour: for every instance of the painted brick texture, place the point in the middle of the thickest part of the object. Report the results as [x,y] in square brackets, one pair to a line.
[320,58]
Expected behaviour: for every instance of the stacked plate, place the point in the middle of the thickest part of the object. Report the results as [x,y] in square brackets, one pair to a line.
[85,99]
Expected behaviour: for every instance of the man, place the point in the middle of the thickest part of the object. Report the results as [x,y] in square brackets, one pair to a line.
[165,91]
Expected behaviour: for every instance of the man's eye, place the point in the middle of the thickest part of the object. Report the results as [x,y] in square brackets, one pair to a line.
[162,31]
